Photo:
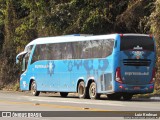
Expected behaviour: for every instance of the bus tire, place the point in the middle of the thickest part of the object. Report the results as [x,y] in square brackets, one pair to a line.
[93,91]
[127,97]
[81,90]
[63,94]
[34,89]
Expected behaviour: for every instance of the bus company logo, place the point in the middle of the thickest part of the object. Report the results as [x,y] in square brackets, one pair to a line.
[51,67]
[138,48]
[138,54]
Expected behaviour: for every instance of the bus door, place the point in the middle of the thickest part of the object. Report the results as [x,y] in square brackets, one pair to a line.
[24,85]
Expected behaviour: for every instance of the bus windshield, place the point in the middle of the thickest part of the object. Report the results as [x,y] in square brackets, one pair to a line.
[137,42]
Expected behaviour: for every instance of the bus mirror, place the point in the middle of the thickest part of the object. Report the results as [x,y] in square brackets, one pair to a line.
[17,61]
[23,64]
[20,55]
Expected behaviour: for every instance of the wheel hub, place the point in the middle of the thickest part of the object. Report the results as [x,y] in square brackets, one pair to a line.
[93,91]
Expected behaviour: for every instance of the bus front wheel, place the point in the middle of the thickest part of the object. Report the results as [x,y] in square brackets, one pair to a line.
[34,89]
[93,91]
[63,94]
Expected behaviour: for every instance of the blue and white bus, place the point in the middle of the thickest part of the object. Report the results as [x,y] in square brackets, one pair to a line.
[118,65]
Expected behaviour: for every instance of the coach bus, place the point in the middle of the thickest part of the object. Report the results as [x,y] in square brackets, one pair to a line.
[118,65]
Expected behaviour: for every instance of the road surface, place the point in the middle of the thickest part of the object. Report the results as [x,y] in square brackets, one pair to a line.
[72,105]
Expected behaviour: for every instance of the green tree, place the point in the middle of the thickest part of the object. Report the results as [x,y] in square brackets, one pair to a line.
[8,12]
[154,21]
[1,24]
[135,17]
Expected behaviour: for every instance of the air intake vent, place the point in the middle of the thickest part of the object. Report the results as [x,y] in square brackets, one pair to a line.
[135,62]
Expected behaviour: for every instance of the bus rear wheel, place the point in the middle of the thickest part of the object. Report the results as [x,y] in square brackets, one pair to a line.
[34,91]
[93,91]
[82,91]
[63,94]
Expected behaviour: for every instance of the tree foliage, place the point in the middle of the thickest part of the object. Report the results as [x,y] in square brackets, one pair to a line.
[24,20]
[154,22]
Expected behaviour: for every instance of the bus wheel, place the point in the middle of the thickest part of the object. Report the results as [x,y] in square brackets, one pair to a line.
[127,96]
[34,89]
[93,91]
[81,90]
[114,96]
[63,94]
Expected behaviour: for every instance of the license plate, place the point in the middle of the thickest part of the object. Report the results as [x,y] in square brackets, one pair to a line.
[136,88]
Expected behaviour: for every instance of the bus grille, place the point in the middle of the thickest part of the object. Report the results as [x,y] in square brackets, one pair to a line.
[135,62]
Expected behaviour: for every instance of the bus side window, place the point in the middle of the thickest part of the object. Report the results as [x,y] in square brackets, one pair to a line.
[70,51]
[50,52]
[77,50]
[43,52]
[36,54]
[66,51]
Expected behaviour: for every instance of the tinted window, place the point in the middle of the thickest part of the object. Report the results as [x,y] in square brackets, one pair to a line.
[77,48]
[48,52]
[36,54]
[133,42]
[73,50]
[97,48]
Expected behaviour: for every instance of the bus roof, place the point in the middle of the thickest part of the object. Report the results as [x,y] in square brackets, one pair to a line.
[70,38]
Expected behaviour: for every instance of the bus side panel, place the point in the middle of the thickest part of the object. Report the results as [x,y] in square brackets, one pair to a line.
[54,76]
[63,75]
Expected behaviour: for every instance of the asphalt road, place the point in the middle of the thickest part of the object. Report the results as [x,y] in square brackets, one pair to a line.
[71,106]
